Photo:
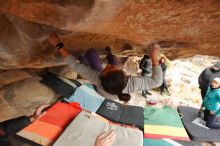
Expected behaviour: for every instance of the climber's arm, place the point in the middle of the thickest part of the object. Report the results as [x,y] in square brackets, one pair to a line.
[138,83]
[54,40]
[64,52]
[85,71]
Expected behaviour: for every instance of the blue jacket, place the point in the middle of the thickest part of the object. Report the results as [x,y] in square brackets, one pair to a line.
[212,100]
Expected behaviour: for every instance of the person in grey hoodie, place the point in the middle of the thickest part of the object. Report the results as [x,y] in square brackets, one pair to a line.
[111,82]
[10,127]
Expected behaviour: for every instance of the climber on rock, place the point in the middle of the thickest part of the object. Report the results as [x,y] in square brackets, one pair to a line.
[111,82]
[206,76]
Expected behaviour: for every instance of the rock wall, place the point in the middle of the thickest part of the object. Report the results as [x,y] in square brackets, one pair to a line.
[182,28]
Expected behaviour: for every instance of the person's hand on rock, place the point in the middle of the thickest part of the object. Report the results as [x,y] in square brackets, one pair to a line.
[53,39]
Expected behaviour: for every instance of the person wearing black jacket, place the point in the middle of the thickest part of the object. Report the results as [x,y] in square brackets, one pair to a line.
[163,87]
[207,76]
[146,67]
[10,127]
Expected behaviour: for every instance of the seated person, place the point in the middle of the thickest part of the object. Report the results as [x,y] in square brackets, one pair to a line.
[211,104]
[10,127]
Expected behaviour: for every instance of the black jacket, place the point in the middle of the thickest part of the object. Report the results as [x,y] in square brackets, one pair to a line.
[206,77]
[146,65]
[11,127]
[164,69]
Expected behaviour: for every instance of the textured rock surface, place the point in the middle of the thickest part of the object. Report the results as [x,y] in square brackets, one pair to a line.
[182,27]
[11,76]
[23,97]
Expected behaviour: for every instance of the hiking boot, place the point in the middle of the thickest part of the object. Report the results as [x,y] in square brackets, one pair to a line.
[144,94]
[147,92]
[167,93]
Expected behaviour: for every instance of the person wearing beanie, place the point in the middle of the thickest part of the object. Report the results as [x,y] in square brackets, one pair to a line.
[211,104]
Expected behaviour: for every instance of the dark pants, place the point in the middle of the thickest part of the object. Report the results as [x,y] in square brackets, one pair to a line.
[112,59]
[163,86]
[144,74]
[212,121]
[92,59]
[203,93]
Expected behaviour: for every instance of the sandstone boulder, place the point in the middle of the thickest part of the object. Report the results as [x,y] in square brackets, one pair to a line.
[182,28]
